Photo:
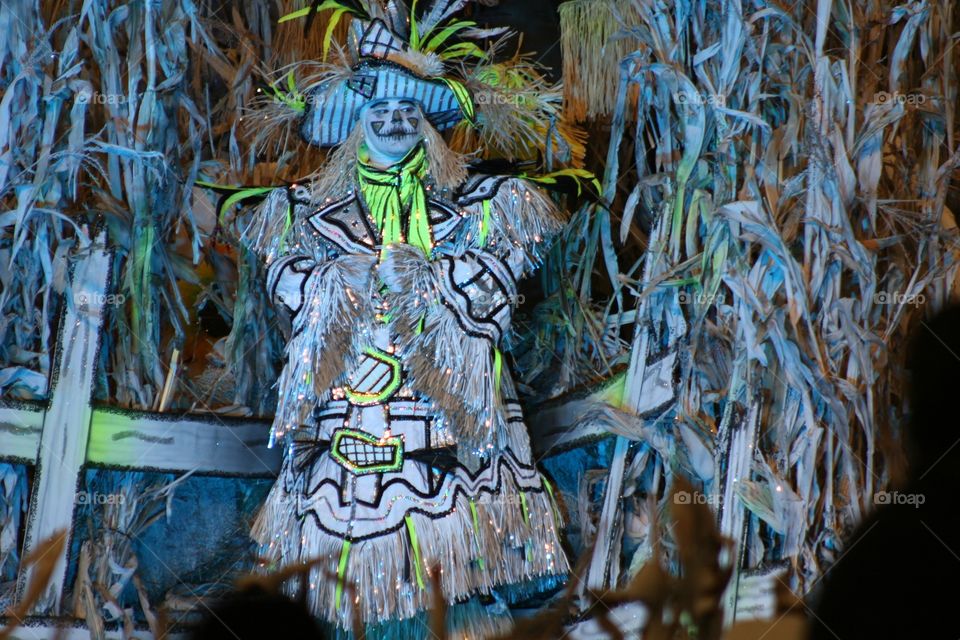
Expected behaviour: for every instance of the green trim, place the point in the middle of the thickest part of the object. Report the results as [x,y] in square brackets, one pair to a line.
[303,13]
[484,222]
[395,442]
[286,229]
[395,192]
[341,570]
[476,532]
[461,93]
[417,559]
[497,368]
[396,379]
[295,100]
[414,28]
[438,38]
[420,323]
[574,174]
[553,499]
[241,195]
[524,507]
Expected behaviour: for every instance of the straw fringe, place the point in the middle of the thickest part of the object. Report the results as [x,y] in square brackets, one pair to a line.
[591,56]
[453,369]
[521,216]
[270,125]
[338,174]
[456,371]
[447,168]
[428,64]
[382,569]
[329,333]
[519,115]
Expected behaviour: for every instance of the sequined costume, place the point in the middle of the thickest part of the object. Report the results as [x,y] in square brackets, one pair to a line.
[405,447]
[393,472]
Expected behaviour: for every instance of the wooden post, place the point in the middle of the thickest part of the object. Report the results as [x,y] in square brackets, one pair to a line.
[603,569]
[66,423]
[643,391]
[735,456]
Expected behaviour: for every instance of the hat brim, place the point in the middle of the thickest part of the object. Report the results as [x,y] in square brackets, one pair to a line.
[332,109]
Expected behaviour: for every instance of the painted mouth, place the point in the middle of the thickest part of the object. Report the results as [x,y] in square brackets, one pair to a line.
[396,135]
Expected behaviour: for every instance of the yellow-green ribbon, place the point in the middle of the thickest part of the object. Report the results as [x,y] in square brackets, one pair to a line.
[415,545]
[394,192]
[476,532]
[341,571]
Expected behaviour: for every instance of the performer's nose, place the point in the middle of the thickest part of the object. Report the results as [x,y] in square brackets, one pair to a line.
[396,116]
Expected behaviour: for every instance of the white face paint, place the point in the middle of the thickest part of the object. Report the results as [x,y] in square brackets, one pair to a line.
[391,127]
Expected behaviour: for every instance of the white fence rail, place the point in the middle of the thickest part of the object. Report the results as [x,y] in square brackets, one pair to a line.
[69,433]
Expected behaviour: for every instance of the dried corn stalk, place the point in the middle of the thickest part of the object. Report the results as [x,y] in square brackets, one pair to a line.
[802,160]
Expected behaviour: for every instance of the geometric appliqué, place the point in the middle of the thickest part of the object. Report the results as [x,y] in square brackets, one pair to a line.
[360,452]
[375,378]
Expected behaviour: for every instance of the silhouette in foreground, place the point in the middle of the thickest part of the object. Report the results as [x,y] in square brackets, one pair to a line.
[897,576]
[256,614]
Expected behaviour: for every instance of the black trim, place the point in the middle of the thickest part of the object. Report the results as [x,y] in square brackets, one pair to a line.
[326,216]
[488,319]
[458,492]
[291,262]
[467,193]
[470,332]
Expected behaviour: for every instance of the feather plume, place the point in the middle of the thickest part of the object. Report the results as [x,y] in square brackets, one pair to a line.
[519,115]
[440,11]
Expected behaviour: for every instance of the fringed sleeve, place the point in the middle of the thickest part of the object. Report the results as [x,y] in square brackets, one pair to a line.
[451,314]
[332,323]
[277,226]
[328,297]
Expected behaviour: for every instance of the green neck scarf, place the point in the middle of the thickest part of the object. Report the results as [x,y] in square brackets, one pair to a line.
[392,192]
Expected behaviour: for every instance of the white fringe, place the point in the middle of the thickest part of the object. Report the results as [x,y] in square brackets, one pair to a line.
[453,369]
[333,327]
[522,218]
[515,548]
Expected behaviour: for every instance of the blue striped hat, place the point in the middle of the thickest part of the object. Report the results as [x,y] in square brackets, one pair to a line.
[333,109]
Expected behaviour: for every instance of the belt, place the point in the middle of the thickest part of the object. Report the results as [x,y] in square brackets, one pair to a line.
[361,453]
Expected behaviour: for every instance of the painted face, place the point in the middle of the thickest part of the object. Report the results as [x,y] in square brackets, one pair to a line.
[391,128]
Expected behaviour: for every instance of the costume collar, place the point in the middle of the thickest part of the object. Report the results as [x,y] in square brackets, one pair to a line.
[394,192]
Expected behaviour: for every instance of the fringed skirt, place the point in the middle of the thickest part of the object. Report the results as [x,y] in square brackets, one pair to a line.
[380,496]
